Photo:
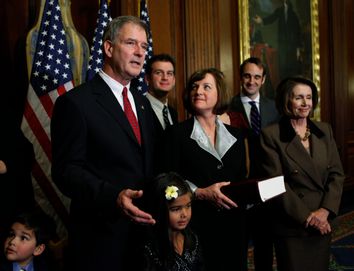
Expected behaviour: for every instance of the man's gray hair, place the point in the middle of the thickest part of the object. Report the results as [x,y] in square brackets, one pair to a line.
[114,27]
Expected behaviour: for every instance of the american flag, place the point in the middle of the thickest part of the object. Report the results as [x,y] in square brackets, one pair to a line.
[51,76]
[96,58]
[139,82]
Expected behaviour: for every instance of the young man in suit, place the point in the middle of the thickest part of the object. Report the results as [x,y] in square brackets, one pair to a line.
[253,76]
[103,142]
[160,77]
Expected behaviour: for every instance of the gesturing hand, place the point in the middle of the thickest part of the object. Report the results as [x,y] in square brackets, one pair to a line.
[125,203]
[214,194]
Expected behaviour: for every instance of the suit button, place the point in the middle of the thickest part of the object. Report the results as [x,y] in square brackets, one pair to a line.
[219,166]
[300,195]
[295,171]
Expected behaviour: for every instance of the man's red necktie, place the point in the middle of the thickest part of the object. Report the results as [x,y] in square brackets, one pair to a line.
[130,115]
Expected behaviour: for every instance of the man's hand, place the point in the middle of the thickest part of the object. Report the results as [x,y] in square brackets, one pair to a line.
[125,203]
[214,194]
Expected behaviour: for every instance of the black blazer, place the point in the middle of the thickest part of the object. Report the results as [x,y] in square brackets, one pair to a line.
[268,111]
[158,126]
[95,156]
[269,115]
[184,156]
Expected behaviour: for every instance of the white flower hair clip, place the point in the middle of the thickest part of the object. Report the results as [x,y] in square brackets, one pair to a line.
[171,192]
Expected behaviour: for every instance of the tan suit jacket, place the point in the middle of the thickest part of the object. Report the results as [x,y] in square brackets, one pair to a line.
[312,180]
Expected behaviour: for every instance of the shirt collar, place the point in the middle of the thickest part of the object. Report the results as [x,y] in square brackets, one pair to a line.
[224,139]
[17,267]
[245,99]
[156,103]
[113,84]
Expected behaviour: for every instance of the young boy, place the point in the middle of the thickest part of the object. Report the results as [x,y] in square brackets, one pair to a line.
[26,241]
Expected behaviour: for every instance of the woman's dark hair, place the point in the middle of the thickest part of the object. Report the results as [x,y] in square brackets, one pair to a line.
[284,94]
[223,95]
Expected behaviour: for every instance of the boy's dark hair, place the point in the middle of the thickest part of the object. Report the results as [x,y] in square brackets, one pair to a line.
[162,58]
[42,225]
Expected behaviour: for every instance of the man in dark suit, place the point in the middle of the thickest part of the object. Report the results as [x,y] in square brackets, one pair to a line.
[289,38]
[253,76]
[160,77]
[102,142]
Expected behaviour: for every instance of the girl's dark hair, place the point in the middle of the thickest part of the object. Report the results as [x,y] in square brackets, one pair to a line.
[159,210]
[159,201]
[223,94]
[284,94]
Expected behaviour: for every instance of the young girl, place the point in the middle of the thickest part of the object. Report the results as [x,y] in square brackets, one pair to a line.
[171,245]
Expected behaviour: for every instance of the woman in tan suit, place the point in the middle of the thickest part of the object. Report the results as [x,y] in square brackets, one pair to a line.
[305,152]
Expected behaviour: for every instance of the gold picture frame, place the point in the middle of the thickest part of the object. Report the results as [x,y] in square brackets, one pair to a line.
[310,35]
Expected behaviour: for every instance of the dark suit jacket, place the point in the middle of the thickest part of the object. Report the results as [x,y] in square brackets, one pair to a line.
[95,156]
[268,111]
[312,181]
[158,126]
[289,39]
[269,114]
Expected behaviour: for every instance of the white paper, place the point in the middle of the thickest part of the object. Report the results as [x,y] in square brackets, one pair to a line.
[270,188]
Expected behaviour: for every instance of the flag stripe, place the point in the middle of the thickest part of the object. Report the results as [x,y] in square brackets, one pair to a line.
[39,133]
[51,76]
[47,104]
[51,194]
[96,57]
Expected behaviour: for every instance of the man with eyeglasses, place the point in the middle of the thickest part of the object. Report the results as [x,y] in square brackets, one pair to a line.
[253,76]
[160,77]
[103,144]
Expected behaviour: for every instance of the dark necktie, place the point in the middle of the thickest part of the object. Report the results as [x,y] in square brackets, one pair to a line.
[130,115]
[255,118]
[165,116]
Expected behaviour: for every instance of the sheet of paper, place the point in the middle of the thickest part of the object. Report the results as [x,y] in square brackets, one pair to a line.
[272,187]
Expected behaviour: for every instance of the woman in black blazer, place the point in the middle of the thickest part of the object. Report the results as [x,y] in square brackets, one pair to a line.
[210,155]
[305,152]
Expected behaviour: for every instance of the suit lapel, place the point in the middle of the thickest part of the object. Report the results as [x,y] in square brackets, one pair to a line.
[263,104]
[141,112]
[106,99]
[238,106]
[300,156]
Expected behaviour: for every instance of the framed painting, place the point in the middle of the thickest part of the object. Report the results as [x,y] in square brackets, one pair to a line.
[284,35]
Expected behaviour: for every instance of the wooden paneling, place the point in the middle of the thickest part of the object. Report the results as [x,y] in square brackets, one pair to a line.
[337,97]
[202,35]
[199,34]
